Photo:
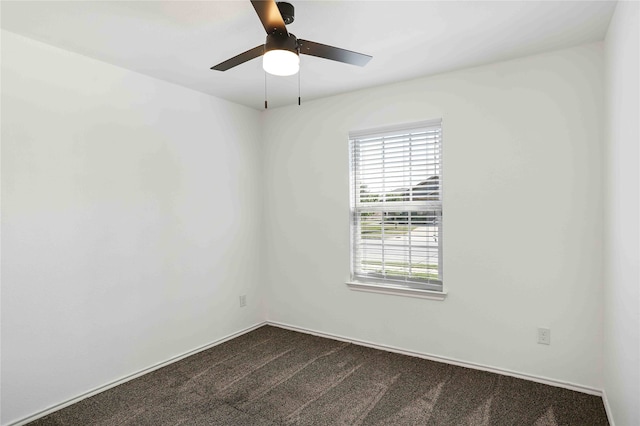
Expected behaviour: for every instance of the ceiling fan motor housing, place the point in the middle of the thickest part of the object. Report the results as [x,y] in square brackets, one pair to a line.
[279,41]
[287,11]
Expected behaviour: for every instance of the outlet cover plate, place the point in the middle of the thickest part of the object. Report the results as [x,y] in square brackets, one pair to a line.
[544,336]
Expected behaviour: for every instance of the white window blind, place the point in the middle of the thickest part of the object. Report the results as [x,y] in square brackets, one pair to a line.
[396,205]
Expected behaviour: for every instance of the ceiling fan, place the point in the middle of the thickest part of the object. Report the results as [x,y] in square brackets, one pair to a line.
[281,49]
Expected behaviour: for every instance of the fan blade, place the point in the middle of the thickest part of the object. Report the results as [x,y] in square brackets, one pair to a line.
[334,53]
[270,16]
[240,59]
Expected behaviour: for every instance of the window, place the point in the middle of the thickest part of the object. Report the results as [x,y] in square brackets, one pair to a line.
[396,206]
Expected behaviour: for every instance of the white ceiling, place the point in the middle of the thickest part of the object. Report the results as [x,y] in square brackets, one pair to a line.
[178,41]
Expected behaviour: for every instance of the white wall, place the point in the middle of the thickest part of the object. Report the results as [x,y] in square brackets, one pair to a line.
[622,214]
[129,216]
[523,224]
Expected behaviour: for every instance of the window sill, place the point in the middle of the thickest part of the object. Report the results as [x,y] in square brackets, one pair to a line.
[397,291]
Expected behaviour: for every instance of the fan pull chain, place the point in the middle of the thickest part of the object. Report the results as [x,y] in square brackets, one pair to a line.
[299,87]
[265,90]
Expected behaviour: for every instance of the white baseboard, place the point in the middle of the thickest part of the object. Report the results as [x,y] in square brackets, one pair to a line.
[607,408]
[446,360]
[132,376]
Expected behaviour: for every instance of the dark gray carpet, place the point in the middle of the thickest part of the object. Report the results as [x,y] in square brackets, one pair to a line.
[273,376]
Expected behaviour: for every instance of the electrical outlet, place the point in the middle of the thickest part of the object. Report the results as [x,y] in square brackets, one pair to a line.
[243,300]
[544,336]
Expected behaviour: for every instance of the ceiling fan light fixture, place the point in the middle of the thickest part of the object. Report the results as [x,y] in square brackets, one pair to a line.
[281,50]
[281,62]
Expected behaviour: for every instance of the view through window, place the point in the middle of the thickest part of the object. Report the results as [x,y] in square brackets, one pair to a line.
[396,205]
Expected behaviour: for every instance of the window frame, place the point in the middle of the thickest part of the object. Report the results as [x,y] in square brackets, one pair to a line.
[431,289]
